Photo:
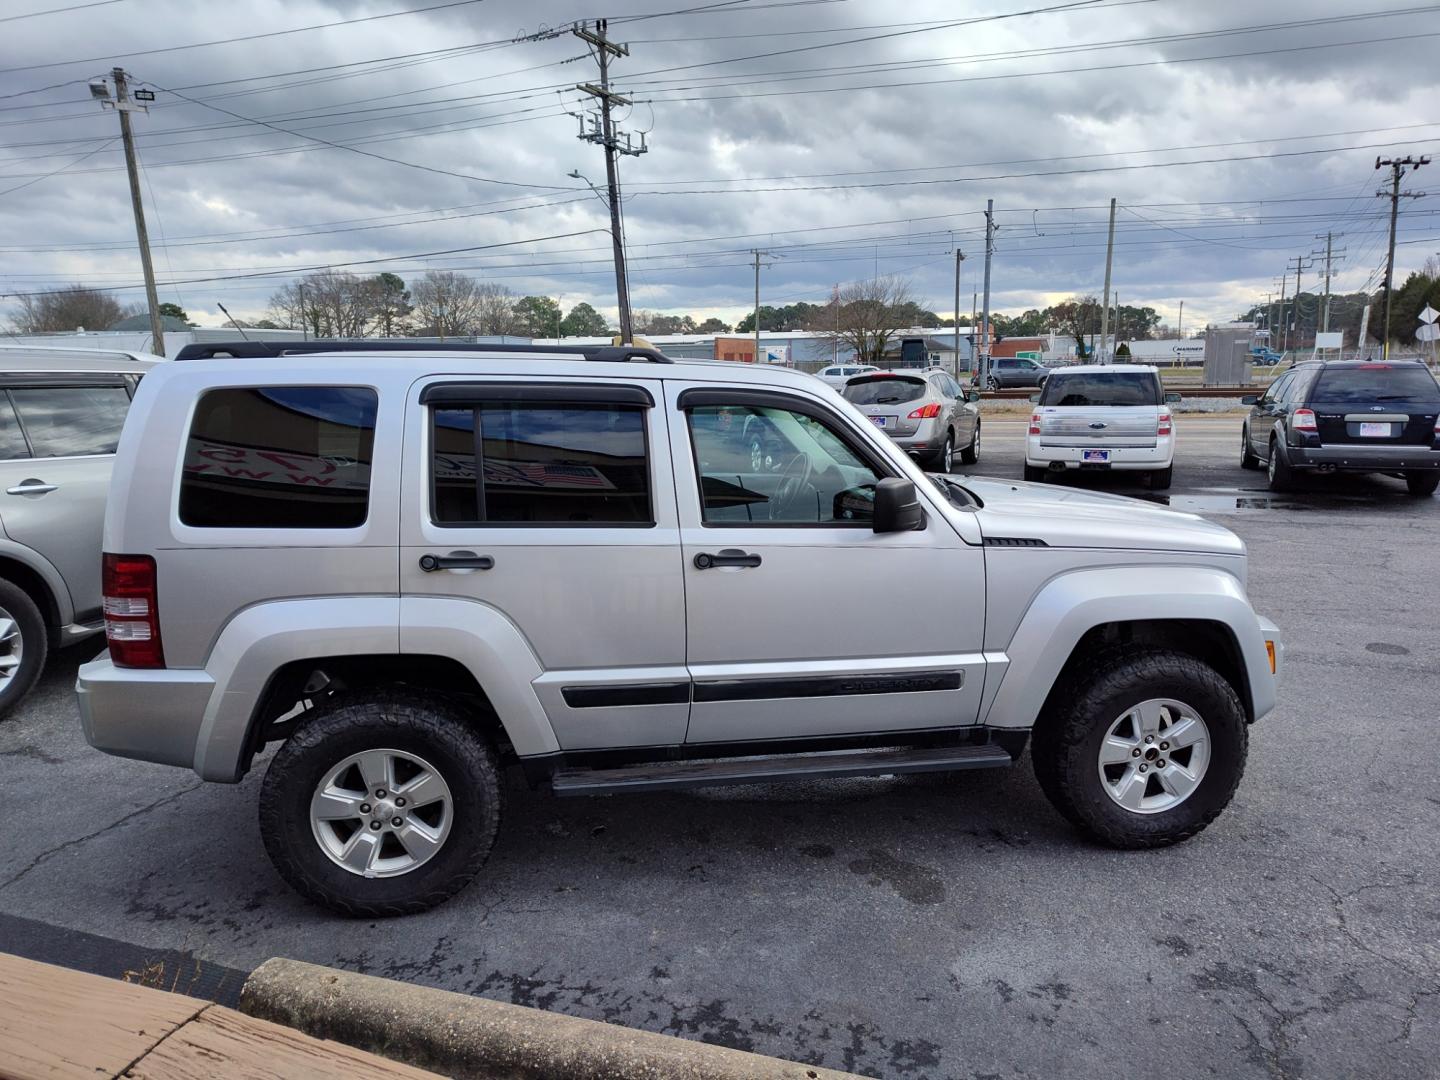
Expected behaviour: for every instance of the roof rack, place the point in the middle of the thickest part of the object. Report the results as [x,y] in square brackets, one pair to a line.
[613,354]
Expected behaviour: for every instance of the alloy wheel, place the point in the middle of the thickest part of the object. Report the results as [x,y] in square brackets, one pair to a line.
[1154,756]
[381,813]
[12,647]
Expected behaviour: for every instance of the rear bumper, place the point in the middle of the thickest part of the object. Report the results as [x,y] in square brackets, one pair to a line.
[1363,458]
[151,715]
[1158,456]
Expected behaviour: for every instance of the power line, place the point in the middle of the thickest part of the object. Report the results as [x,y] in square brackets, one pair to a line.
[59,11]
[61,169]
[246,37]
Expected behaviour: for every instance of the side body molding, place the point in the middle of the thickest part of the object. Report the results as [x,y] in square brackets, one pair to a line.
[1065,608]
[495,652]
[259,641]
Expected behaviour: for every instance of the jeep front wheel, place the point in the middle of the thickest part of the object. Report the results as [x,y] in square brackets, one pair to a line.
[385,804]
[1144,750]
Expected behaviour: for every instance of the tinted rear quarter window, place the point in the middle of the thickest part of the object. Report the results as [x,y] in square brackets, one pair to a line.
[884,391]
[1101,388]
[1377,382]
[283,457]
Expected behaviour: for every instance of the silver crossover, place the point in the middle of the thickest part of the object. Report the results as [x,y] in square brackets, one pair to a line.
[61,411]
[927,413]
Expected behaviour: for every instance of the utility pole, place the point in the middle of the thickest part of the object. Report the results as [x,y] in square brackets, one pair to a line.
[959,258]
[985,320]
[1180,322]
[757,253]
[1284,281]
[1397,170]
[1299,261]
[1105,310]
[602,130]
[1330,255]
[124,106]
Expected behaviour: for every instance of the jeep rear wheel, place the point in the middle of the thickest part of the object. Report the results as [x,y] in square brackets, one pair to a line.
[385,804]
[1144,750]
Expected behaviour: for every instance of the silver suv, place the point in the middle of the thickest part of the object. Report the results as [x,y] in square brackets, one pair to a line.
[412,567]
[61,411]
[928,414]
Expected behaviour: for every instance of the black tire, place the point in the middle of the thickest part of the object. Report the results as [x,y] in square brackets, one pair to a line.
[1159,479]
[34,641]
[433,728]
[1248,460]
[1281,476]
[971,454]
[938,462]
[1035,474]
[1422,484]
[1067,739]
[993,383]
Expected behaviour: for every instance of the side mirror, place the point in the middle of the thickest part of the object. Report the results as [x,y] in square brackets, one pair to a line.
[1250,399]
[1035,399]
[1172,398]
[897,506]
[972,396]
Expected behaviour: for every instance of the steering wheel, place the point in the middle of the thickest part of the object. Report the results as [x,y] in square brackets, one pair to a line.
[793,481]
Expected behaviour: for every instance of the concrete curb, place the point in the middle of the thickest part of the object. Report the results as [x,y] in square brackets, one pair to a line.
[477,1039]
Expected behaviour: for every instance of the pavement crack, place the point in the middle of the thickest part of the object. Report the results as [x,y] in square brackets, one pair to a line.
[45,855]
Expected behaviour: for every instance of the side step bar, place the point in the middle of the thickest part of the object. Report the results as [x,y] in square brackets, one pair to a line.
[657,776]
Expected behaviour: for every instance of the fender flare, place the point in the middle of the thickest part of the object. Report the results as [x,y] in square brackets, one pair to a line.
[1070,605]
[49,576]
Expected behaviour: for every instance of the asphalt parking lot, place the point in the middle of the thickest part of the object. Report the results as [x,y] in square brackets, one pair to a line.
[933,926]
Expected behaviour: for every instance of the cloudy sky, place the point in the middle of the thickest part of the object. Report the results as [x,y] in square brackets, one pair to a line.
[844,137]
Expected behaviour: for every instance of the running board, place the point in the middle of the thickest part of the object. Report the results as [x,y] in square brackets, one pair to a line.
[657,776]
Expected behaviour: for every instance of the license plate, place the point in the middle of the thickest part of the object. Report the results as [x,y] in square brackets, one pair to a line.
[1374,431]
[879,421]
[1094,455]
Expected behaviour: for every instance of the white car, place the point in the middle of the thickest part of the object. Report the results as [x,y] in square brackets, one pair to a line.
[1102,417]
[837,375]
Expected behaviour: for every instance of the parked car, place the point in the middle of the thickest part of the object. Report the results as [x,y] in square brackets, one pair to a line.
[412,566]
[1007,372]
[837,375]
[1102,417]
[927,413]
[1332,416]
[61,411]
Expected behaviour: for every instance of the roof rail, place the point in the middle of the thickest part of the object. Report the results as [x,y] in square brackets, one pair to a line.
[614,354]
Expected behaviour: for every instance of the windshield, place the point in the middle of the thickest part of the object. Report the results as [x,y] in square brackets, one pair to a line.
[1376,382]
[1101,388]
[884,390]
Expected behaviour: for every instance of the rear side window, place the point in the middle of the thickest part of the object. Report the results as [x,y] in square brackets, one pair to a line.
[1101,388]
[1377,382]
[279,457]
[540,464]
[71,421]
[885,390]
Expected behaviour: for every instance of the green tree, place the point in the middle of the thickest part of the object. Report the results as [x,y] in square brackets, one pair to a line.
[389,304]
[713,325]
[175,311]
[583,321]
[537,316]
[1123,352]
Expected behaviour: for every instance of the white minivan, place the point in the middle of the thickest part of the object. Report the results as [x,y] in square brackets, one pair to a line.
[1102,417]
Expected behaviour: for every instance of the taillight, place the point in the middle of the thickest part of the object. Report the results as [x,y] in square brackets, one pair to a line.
[1035,423]
[132,622]
[926,412]
[1304,420]
[1165,423]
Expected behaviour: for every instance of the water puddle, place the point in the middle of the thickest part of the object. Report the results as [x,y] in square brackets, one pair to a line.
[1241,501]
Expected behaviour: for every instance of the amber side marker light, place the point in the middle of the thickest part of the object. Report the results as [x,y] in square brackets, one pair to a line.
[1270,651]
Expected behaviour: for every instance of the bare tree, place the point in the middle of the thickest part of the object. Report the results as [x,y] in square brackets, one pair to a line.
[70,307]
[329,304]
[447,304]
[494,309]
[865,315]
[1078,317]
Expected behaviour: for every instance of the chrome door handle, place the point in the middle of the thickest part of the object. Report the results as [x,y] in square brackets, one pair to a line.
[727,557]
[456,560]
[31,487]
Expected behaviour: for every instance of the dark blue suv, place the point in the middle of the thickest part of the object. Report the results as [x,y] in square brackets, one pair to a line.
[1350,416]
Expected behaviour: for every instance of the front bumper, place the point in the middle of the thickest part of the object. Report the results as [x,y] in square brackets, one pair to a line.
[148,714]
[1364,458]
